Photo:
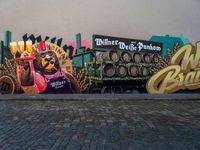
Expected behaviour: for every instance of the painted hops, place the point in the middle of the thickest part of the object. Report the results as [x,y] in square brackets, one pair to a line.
[164,62]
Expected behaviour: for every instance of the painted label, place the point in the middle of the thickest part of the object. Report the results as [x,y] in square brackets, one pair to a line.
[107,42]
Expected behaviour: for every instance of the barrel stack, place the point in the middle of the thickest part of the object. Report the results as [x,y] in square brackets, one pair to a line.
[121,64]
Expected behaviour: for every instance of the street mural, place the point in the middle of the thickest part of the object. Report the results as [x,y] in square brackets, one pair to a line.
[43,65]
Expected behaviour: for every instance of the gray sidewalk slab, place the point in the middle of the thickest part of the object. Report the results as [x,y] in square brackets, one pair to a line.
[83,97]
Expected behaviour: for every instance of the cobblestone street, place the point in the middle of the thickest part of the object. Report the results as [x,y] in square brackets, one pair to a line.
[93,124]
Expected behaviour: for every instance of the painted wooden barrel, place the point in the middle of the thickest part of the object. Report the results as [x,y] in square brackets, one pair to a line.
[133,71]
[126,57]
[109,69]
[121,71]
[155,58]
[143,71]
[136,57]
[7,85]
[146,58]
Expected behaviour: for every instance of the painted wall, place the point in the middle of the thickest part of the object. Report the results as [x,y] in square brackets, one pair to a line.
[131,18]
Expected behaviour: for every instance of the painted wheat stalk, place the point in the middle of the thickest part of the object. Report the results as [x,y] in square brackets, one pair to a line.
[81,79]
[164,62]
[9,68]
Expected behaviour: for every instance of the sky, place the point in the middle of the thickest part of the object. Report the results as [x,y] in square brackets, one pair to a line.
[136,19]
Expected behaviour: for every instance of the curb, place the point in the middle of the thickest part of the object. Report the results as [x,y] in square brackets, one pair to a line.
[85,97]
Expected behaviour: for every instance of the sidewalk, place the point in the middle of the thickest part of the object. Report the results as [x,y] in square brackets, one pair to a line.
[99,124]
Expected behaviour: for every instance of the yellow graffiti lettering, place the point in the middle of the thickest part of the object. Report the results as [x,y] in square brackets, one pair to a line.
[182,73]
[187,57]
[164,81]
[197,77]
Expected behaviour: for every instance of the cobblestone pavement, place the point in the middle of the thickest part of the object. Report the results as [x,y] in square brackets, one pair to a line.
[126,125]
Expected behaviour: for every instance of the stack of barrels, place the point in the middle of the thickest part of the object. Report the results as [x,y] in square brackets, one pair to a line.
[124,63]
